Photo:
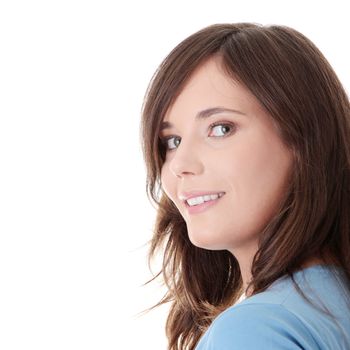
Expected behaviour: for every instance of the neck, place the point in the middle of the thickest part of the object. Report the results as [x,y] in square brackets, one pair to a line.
[245,266]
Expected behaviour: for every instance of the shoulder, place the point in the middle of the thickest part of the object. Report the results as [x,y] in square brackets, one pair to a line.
[257,326]
[280,318]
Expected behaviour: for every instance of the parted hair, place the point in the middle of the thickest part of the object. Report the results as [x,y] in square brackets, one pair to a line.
[297,86]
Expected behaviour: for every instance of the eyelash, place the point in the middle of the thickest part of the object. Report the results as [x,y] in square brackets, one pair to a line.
[211,126]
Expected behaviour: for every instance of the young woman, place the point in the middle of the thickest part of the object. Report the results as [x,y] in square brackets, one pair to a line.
[246,138]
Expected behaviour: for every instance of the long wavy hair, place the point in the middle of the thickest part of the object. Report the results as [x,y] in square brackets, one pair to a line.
[296,85]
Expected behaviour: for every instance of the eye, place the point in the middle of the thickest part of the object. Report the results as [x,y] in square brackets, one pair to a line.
[220,130]
[171,142]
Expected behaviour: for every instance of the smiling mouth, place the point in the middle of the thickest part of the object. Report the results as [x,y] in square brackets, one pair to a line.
[202,206]
[199,200]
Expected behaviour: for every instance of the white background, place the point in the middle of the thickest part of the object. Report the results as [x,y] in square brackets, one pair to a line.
[74,216]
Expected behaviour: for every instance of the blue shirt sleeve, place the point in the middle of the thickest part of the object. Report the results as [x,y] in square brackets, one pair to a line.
[257,326]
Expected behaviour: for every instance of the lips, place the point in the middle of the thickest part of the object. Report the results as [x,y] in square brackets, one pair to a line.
[191,194]
[200,208]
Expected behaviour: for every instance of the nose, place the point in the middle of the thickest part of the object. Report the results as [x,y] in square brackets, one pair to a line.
[186,160]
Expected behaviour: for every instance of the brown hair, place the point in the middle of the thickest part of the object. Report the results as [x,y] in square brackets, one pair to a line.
[297,86]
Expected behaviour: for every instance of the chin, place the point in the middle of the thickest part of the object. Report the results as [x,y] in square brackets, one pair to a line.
[204,240]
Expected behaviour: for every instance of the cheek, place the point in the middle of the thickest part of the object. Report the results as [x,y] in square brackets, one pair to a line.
[265,163]
[257,178]
[264,180]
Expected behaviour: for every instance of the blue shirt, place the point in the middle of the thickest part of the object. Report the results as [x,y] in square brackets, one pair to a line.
[280,318]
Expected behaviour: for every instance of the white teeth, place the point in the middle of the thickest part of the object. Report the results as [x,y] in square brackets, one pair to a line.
[201,199]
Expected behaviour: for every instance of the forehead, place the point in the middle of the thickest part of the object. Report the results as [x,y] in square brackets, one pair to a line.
[208,87]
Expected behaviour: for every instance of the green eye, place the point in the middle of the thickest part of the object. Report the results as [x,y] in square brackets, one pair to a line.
[221,129]
[216,130]
[172,142]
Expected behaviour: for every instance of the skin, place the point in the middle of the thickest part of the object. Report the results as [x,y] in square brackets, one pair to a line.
[247,160]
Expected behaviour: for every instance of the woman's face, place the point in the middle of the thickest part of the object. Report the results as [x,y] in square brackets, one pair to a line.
[221,141]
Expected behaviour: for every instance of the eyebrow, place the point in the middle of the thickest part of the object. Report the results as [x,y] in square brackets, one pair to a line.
[206,113]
